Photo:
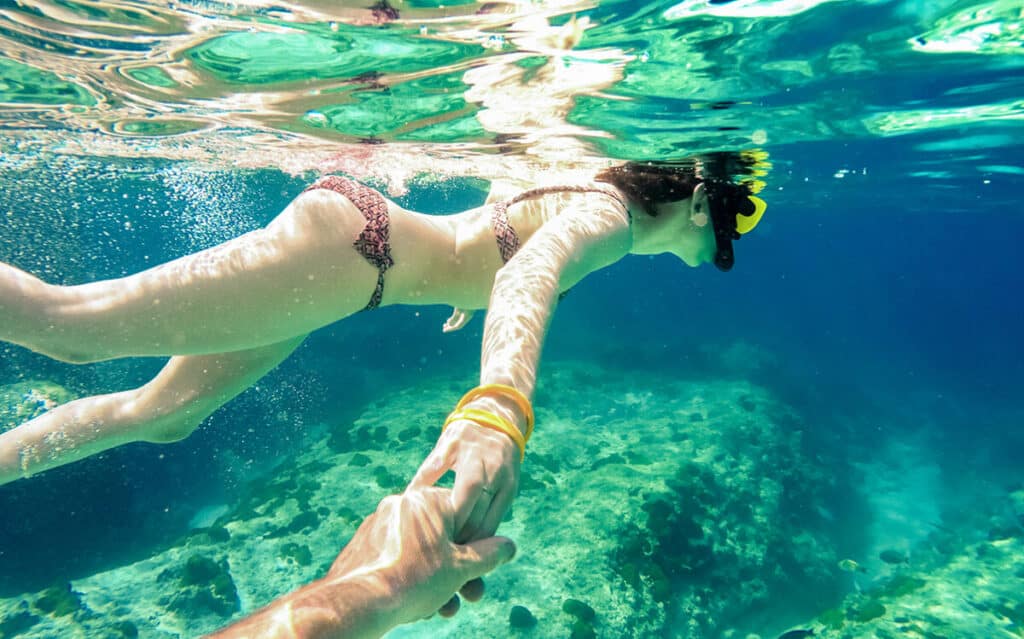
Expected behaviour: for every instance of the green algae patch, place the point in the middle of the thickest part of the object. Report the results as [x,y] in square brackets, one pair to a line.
[304,520]
[536,481]
[298,553]
[1004,530]
[23,84]
[579,609]
[204,586]
[199,570]
[387,479]
[584,617]
[520,618]
[59,601]
[409,434]
[872,609]
[900,586]
[359,460]
[126,629]
[380,435]
[340,440]
[549,463]
[582,630]
[833,618]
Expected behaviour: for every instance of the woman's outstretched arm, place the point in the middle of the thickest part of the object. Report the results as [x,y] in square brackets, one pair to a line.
[525,292]
[166,409]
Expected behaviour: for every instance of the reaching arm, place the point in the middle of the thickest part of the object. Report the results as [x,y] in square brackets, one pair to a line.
[525,290]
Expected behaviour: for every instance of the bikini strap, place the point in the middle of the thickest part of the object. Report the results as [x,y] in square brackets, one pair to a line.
[374,241]
[545,190]
[506,236]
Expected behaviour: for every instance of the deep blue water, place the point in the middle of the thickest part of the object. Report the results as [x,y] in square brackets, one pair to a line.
[908,280]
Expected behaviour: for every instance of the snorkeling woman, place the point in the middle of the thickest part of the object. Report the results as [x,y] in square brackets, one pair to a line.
[229,314]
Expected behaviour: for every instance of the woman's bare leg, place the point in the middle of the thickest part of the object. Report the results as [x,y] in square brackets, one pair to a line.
[166,409]
[297,274]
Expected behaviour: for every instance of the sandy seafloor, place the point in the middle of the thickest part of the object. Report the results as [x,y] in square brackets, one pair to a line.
[670,508]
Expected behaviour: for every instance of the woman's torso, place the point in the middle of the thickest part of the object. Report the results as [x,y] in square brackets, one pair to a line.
[452,259]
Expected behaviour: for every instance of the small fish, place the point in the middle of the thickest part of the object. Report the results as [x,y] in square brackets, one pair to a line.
[796,634]
[893,557]
[849,565]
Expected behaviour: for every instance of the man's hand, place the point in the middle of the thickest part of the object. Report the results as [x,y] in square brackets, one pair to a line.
[408,547]
[400,566]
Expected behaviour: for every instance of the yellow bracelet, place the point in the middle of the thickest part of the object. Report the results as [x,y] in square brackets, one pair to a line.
[492,421]
[505,391]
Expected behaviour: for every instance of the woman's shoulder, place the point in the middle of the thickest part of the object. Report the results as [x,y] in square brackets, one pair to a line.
[595,214]
[584,199]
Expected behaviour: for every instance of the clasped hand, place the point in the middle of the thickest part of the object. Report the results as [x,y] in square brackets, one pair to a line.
[486,465]
[406,549]
[400,566]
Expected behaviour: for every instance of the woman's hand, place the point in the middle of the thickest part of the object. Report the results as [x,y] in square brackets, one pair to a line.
[459,318]
[486,465]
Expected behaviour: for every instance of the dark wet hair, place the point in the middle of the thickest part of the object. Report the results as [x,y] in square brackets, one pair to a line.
[722,174]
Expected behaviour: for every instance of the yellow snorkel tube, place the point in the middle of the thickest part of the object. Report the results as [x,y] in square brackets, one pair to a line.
[746,223]
[758,166]
[735,210]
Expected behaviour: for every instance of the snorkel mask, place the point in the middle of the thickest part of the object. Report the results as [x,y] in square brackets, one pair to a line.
[734,212]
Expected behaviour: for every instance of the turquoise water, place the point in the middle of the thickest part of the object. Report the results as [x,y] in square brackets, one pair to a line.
[710,446]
